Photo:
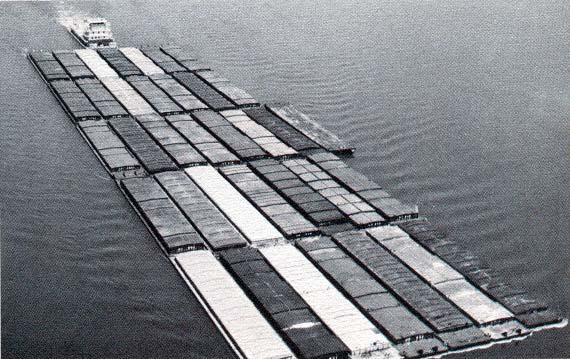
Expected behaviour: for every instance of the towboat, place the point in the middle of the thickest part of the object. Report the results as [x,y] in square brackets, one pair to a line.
[92,33]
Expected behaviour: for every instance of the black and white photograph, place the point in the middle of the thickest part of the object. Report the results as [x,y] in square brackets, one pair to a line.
[285,179]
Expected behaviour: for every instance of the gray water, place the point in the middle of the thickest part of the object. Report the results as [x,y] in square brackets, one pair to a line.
[459,106]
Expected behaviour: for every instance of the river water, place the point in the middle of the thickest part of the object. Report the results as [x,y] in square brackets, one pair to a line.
[461,107]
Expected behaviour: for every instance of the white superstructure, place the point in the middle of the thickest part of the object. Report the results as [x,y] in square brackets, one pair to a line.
[92,33]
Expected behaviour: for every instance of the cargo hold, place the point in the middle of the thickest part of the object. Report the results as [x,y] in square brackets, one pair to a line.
[152,157]
[204,215]
[410,335]
[215,152]
[252,334]
[286,218]
[165,219]
[282,306]
[243,215]
[340,315]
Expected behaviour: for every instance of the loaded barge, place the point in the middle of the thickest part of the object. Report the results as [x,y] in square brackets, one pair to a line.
[291,252]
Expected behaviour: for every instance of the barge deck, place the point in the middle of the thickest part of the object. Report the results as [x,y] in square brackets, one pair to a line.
[291,252]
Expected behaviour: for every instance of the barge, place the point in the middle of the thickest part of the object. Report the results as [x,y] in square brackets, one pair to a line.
[291,252]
